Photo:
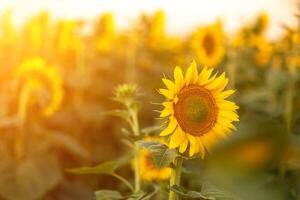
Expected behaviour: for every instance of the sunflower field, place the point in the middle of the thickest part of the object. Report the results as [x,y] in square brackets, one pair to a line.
[90,112]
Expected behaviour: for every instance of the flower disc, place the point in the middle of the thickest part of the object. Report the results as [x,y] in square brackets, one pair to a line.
[196,110]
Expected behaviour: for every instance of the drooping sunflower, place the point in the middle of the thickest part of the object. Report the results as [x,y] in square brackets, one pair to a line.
[148,170]
[197,112]
[36,77]
[208,44]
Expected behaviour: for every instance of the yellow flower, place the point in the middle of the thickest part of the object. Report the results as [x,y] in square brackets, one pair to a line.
[264,50]
[208,44]
[147,169]
[67,40]
[261,23]
[36,31]
[105,33]
[197,112]
[35,75]
[157,30]
[7,31]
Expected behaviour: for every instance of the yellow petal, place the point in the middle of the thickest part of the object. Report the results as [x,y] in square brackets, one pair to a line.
[225,94]
[177,138]
[217,83]
[229,115]
[221,86]
[183,145]
[170,84]
[201,147]
[208,140]
[225,104]
[194,75]
[204,75]
[178,77]
[166,112]
[218,130]
[170,128]
[194,146]
[167,93]
[188,75]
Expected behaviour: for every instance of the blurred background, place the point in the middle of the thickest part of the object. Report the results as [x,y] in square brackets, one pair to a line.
[61,60]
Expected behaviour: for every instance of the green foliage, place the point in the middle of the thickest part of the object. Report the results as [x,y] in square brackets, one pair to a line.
[162,155]
[108,167]
[206,193]
[108,195]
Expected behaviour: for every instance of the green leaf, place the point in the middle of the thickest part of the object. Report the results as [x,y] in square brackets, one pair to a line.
[108,195]
[207,193]
[151,129]
[67,143]
[104,168]
[124,114]
[137,195]
[162,155]
[108,167]
[188,194]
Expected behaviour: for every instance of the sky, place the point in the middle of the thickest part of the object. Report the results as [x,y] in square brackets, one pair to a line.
[182,15]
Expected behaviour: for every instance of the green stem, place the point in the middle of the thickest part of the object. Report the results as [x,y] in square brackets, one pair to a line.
[135,123]
[175,176]
[123,180]
[137,178]
[22,113]
[289,104]
[136,132]
[288,115]
[231,69]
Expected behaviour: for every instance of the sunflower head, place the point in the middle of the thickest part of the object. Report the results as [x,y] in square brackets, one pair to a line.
[147,169]
[8,32]
[208,44]
[196,110]
[37,78]
[105,33]
[261,23]
[67,39]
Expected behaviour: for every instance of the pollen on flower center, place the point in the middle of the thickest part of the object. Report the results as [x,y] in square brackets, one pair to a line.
[196,110]
[209,44]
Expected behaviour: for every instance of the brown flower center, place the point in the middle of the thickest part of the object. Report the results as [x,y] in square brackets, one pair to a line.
[209,44]
[195,110]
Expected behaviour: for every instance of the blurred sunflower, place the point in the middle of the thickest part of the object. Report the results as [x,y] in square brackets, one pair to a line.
[36,77]
[67,39]
[264,50]
[36,31]
[7,31]
[147,169]
[157,34]
[105,33]
[197,111]
[208,44]
[261,23]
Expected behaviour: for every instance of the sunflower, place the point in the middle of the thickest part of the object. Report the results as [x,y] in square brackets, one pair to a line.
[208,43]
[36,77]
[105,33]
[197,112]
[67,41]
[148,170]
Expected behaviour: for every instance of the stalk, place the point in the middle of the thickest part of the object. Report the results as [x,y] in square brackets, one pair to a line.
[135,129]
[175,176]
[123,180]
[289,104]
[22,112]
[137,178]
